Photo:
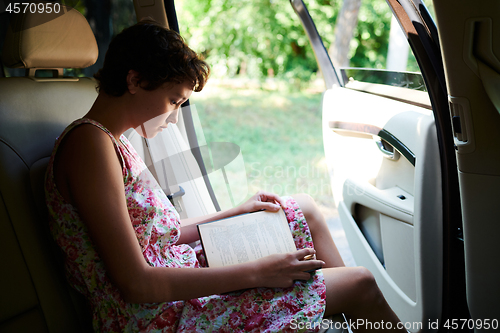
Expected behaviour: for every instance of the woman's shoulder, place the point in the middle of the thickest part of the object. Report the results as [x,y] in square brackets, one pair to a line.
[83,152]
[85,140]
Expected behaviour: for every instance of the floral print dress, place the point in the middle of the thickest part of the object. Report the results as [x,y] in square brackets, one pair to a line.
[157,226]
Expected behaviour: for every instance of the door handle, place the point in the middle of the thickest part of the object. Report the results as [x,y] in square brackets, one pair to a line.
[387,150]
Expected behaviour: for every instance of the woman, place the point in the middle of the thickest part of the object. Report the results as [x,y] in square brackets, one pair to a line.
[125,245]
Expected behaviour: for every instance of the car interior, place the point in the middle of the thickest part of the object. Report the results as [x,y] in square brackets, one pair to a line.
[416,172]
[35,295]
[35,108]
[388,192]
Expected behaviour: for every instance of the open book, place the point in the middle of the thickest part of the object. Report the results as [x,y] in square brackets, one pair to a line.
[246,237]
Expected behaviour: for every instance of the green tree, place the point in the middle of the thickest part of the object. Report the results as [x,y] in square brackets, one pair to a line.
[344,31]
[256,38]
[261,38]
[370,43]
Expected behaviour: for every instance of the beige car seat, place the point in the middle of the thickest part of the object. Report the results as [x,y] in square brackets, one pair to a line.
[34,293]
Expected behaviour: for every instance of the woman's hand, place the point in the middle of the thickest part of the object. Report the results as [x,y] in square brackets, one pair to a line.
[262,200]
[281,270]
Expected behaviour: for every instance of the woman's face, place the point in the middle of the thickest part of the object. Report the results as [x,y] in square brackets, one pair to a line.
[160,107]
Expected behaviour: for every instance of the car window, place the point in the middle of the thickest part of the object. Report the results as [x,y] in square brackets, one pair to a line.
[378,41]
[379,51]
[107,19]
[264,96]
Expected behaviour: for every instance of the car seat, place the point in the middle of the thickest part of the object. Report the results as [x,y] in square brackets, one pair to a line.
[34,293]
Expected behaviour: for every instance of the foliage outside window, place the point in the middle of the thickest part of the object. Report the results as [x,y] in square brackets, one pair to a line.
[264,38]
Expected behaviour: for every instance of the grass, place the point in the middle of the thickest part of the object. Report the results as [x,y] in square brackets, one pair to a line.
[279,133]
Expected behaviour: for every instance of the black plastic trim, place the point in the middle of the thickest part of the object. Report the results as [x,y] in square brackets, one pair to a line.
[398,145]
[341,126]
[425,47]
[322,58]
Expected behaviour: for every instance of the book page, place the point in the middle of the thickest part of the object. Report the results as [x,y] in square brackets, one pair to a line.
[245,237]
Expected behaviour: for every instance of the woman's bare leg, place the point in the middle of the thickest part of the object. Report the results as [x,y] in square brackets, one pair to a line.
[349,290]
[326,249]
[354,292]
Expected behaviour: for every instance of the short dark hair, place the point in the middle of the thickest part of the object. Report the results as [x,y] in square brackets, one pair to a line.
[158,54]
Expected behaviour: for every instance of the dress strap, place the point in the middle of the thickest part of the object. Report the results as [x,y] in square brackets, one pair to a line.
[100,126]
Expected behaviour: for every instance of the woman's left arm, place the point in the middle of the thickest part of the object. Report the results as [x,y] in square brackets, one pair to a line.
[260,201]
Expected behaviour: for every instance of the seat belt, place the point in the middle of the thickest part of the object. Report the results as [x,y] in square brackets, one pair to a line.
[162,170]
[159,163]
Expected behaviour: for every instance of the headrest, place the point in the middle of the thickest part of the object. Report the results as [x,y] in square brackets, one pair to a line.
[40,40]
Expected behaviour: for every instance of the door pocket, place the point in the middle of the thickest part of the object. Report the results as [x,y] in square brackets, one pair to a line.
[385,219]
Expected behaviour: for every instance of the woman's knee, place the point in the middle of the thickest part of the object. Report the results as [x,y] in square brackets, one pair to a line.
[303,199]
[351,290]
[307,205]
[369,292]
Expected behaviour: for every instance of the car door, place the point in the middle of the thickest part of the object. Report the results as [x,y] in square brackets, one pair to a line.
[391,158]
[471,50]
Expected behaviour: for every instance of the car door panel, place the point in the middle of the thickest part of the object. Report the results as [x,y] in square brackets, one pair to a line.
[389,207]
[386,201]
